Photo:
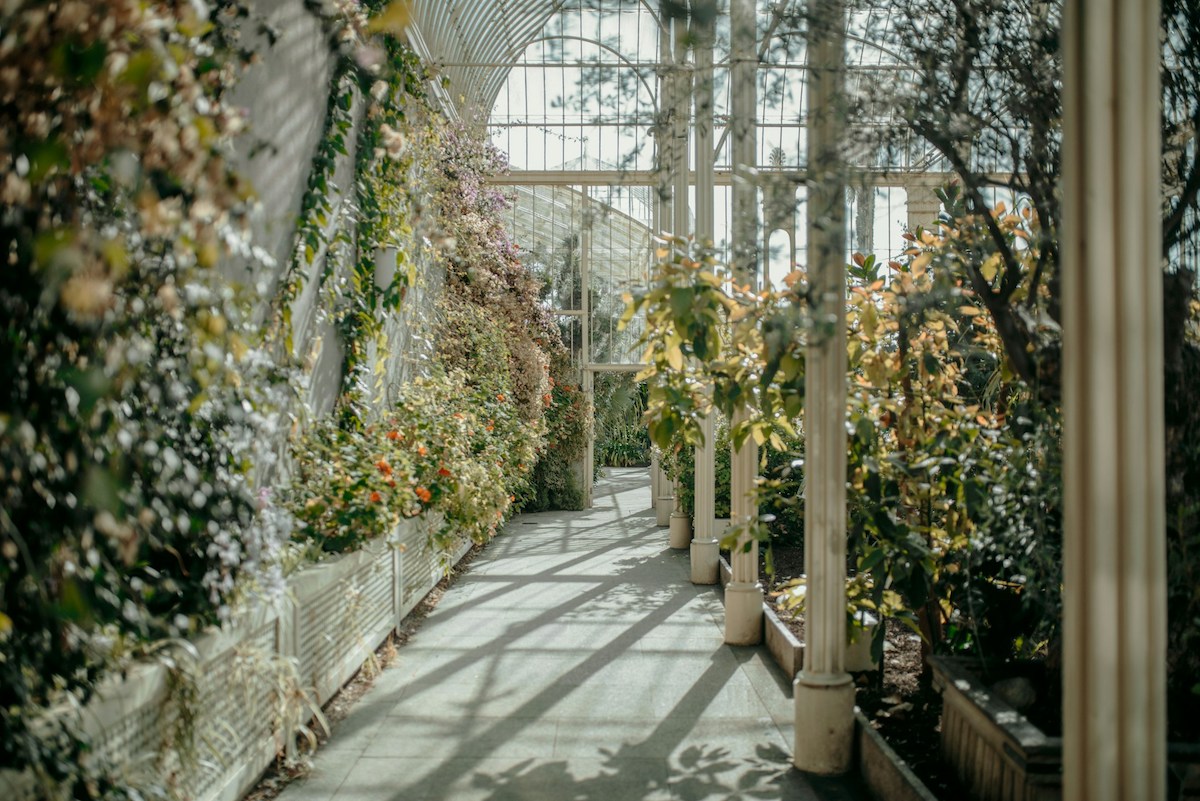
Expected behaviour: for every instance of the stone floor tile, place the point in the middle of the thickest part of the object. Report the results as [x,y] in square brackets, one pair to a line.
[574,662]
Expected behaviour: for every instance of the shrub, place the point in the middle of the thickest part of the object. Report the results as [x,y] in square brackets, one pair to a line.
[447,447]
[132,405]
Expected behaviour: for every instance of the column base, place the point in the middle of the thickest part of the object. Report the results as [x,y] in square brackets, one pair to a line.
[824,723]
[743,613]
[706,561]
[662,512]
[681,530]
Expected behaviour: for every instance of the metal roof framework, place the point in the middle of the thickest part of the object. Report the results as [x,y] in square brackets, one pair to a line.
[582,96]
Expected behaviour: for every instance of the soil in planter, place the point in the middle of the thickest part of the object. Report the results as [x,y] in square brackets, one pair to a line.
[907,712]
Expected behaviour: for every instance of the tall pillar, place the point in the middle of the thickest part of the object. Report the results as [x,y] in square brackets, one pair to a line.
[587,378]
[823,691]
[743,595]
[705,552]
[681,93]
[664,220]
[1114,603]
[664,139]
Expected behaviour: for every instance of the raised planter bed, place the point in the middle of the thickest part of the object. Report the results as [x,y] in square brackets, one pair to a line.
[886,776]
[883,772]
[999,755]
[994,750]
[334,616]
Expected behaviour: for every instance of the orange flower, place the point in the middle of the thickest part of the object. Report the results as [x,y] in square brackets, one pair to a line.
[391,482]
[376,497]
[393,435]
[423,494]
[421,450]
[384,467]
[443,472]
[500,397]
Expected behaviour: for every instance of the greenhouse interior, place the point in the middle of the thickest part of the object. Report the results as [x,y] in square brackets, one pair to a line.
[592,400]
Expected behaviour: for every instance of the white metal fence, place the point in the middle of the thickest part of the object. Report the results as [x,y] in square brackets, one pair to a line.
[334,616]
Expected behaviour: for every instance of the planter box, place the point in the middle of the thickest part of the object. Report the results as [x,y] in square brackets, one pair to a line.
[1000,756]
[787,650]
[334,616]
[997,754]
[342,609]
[886,776]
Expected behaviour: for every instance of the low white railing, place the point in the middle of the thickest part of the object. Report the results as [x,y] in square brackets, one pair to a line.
[335,614]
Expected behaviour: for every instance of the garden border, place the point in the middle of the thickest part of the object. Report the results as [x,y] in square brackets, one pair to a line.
[134,718]
[886,776]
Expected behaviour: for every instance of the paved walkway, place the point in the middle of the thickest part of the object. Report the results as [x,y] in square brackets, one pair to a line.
[573,662]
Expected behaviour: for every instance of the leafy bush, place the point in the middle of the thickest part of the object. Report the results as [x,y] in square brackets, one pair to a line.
[133,404]
[568,417]
[954,473]
[448,447]
[679,463]
[482,270]
[621,436]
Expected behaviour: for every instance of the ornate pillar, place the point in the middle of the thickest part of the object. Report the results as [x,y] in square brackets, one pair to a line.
[587,382]
[705,553]
[1114,604]
[823,691]
[743,596]
[681,95]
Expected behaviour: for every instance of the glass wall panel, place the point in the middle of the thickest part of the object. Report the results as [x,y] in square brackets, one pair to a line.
[546,222]
[621,221]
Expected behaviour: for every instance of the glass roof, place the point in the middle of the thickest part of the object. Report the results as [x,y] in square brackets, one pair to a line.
[575,84]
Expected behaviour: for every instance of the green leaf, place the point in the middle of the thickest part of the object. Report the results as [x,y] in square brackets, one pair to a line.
[872,560]
[46,158]
[681,302]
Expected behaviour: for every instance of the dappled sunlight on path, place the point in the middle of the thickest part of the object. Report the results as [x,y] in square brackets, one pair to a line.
[574,661]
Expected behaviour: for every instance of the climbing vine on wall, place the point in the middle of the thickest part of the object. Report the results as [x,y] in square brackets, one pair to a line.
[134,400]
[146,401]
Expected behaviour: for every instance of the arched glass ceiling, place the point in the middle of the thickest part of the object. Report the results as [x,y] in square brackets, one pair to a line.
[584,93]
[469,42]
[574,84]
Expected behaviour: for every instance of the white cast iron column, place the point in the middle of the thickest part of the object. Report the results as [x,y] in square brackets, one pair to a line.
[665,167]
[587,377]
[1114,605]
[705,553]
[823,691]
[681,94]
[743,596]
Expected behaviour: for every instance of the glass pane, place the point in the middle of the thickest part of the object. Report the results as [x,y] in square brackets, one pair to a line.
[621,221]
[546,222]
